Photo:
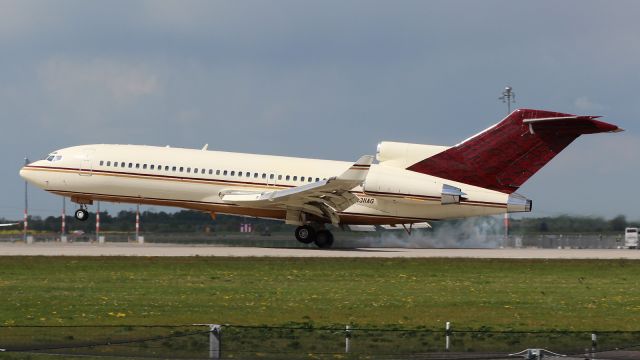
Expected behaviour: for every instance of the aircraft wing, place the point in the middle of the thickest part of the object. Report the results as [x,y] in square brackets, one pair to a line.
[324,198]
[5,225]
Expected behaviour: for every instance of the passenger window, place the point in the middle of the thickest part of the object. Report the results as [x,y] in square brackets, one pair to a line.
[188,170]
[101,162]
[295,178]
[264,176]
[210,171]
[310,179]
[195,170]
[173,169]
[240,173]
[301,178]
[233,173]
[152,167]
[130,165]
[122,164]
[271,176]
[279,177]
[255,175]
[217,172]
[144,166]
[166,168]
[224,173]
[137,166]
[181,168]
[248,174]
[203,171]
[288,177]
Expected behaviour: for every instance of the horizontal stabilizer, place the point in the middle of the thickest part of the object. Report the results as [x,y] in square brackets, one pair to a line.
[505,155]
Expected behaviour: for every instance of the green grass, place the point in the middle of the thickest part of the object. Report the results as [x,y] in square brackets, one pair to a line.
[401,293]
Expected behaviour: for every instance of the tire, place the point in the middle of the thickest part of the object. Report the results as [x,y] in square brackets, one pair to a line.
[305,234]
[324,239]
[81,215]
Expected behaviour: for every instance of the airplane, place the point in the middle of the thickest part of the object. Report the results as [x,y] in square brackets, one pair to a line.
[409,186]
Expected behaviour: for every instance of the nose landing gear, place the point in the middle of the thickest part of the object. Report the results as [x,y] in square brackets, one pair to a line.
[82,214]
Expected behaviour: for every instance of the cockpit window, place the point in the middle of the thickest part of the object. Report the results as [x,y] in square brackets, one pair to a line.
[53,157]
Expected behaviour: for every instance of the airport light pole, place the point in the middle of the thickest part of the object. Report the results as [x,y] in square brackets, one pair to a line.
[98,221]
[137,222]
[26,204]
[508,97]
[64,217]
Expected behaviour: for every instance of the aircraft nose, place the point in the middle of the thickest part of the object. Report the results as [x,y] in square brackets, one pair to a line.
[23,173]
[30,175]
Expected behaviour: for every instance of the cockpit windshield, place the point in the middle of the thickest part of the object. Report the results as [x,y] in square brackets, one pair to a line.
[53,157]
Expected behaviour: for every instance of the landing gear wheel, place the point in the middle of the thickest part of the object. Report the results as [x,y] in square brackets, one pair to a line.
[324,239]
[305,234]
[82,214]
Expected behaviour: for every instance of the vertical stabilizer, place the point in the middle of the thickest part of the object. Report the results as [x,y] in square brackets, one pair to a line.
[505,155]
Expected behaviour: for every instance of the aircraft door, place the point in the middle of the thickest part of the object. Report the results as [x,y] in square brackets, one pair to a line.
[86,163]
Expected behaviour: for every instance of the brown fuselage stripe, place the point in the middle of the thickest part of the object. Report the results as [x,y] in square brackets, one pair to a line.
[252,184]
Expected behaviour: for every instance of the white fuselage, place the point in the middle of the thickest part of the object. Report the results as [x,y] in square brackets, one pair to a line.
[195,179]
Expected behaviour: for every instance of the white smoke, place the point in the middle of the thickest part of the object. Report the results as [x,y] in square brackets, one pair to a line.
[481,232]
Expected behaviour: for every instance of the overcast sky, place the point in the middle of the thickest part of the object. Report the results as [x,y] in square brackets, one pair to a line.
[323,79]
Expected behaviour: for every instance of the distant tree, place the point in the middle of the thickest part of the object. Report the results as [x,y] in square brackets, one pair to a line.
[543,227]
[618,223]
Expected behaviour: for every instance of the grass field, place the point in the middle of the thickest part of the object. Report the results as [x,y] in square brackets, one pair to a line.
[401,293]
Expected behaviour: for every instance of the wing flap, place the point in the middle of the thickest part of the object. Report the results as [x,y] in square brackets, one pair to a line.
[324,198]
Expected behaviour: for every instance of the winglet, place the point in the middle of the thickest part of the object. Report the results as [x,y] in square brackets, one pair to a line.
[359,170]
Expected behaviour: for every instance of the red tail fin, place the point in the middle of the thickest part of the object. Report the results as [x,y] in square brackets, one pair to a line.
[505,155]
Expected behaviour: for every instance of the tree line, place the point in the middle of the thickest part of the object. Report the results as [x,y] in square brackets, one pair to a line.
[571,224]
[194,221]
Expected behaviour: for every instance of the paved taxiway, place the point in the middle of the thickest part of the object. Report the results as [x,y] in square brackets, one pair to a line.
[125,249]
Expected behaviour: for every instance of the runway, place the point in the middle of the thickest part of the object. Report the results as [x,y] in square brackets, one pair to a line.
[127,249]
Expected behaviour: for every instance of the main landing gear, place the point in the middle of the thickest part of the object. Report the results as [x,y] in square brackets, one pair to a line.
[307,234]
[82,214]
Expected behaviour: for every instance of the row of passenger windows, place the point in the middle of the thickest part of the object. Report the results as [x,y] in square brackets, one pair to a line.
[189,170]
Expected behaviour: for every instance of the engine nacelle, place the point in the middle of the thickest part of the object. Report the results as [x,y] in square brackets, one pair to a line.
[403,155]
